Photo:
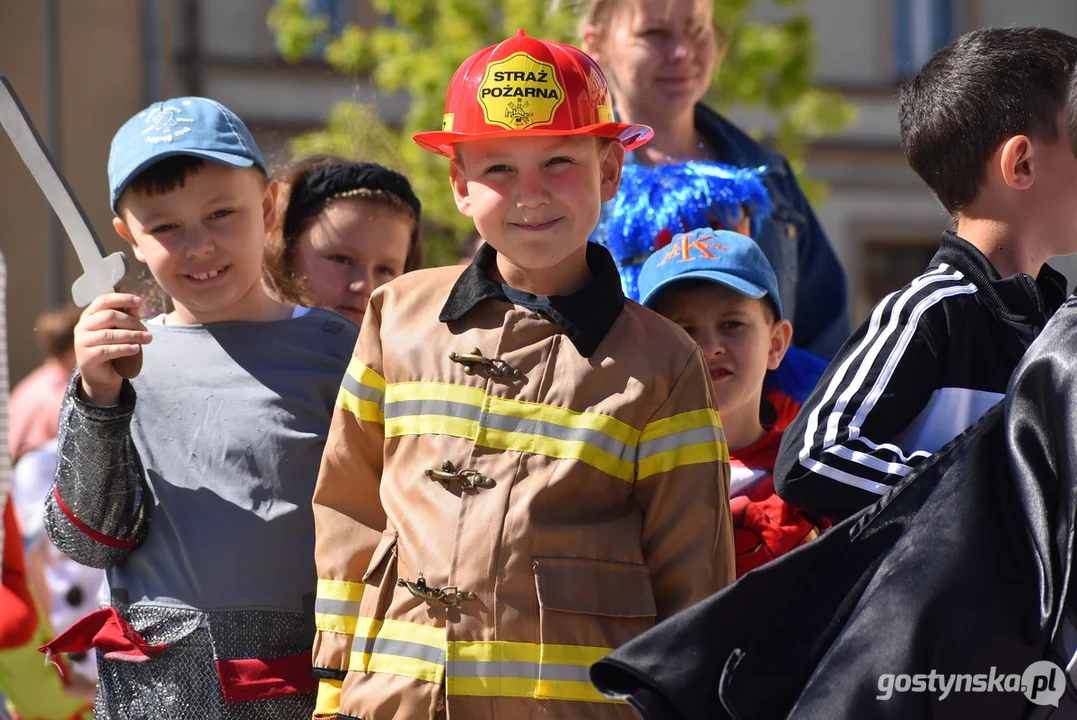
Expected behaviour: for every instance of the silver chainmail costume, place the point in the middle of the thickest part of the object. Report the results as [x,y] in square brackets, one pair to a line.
[194,492]
[100,479]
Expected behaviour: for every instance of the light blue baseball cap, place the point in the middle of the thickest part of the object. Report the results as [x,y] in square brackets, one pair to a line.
[181,126]
[720,256]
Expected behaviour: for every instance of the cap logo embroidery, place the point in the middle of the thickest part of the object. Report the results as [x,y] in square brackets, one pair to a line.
[164,122]
[520,92]
[684,247]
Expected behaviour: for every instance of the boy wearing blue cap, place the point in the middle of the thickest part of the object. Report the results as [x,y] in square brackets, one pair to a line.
[192,483]
[720,288]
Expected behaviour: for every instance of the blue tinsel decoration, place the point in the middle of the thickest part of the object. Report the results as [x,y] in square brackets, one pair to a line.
[675,198]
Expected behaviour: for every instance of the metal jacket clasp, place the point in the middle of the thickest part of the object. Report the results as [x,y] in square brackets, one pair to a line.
[493,368]
[446,596]
[468,479]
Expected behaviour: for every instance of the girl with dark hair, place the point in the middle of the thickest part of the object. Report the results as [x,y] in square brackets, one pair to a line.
[345,228]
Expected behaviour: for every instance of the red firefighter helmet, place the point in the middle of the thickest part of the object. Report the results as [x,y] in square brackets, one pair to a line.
[525,86]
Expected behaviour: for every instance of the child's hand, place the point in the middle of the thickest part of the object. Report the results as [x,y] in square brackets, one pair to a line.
[109,329]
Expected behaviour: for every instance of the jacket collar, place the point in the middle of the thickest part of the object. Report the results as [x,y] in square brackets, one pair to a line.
[585,316]
[1019,296]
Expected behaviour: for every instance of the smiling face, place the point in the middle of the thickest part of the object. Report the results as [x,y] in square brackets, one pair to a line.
[536,200]
[203,242]
[660,55]
[351,248]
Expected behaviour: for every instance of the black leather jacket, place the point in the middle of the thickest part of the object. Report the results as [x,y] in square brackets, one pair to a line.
[963,568]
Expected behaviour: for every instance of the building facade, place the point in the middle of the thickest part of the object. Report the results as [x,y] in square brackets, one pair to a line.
[880,217]
[115,56]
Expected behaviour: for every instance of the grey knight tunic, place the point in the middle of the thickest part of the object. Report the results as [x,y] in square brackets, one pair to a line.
[197,500]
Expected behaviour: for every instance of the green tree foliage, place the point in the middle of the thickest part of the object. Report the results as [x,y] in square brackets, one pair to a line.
[768,66]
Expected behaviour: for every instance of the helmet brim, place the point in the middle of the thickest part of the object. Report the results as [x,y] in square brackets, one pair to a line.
[631,136]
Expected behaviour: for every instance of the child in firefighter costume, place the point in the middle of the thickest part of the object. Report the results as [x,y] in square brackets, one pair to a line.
[525,469]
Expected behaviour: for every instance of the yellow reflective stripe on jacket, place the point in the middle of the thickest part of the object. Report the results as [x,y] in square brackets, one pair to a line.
[601,441]
[362,392]
[685,439]
[328,702]
[399,648]
[422,408]
[336,605]
[487,668]
[517,669]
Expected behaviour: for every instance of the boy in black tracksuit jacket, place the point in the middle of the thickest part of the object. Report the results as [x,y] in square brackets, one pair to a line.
[936,355]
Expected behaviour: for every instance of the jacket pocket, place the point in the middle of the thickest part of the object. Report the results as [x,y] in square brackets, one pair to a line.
[586,609]
[380,578]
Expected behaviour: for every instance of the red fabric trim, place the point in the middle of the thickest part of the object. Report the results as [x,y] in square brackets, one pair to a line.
[86,529]
[106,631]
[258,679]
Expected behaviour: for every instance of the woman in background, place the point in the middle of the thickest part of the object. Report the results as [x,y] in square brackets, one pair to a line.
[660,57]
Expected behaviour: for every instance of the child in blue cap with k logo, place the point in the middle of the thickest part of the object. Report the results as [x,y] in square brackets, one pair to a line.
[720,288]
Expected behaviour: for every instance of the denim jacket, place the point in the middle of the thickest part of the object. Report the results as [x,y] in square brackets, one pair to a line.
[810,279]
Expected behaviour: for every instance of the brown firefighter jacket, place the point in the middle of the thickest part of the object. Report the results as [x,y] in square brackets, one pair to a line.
[507,495]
